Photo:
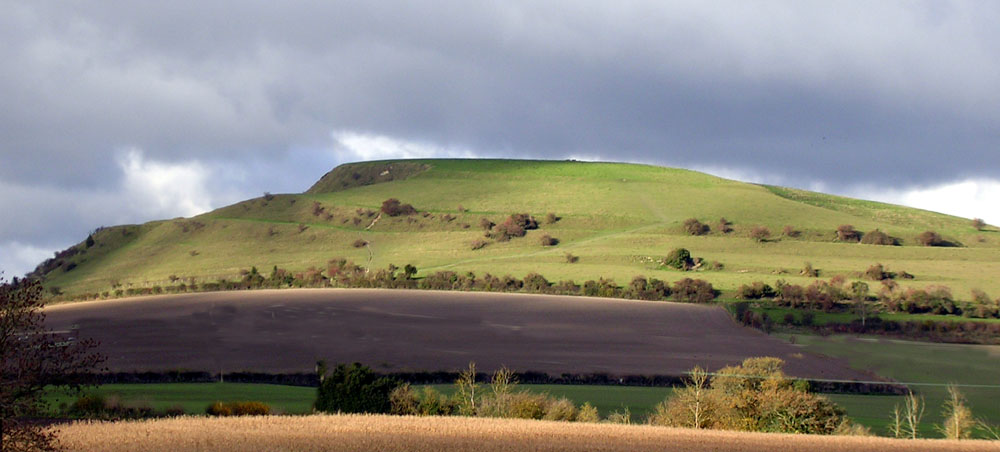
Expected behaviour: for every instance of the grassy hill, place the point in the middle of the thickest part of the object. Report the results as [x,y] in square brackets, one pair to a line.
[619,219]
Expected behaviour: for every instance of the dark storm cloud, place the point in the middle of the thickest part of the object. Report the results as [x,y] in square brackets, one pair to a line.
[843,93]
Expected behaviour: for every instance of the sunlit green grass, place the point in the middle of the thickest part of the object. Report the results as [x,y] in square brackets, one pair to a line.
[615,217]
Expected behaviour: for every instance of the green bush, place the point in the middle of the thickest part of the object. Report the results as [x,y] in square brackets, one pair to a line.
[353,389]
[679,258]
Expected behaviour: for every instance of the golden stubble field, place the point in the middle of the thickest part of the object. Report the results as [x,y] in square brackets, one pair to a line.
[395,433]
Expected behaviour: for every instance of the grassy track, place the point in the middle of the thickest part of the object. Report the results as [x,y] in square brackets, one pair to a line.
[616,217]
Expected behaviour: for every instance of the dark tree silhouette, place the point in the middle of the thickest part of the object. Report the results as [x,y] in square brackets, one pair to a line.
[34,358]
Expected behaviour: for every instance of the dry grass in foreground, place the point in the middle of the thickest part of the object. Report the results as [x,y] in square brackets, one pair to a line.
[394,433]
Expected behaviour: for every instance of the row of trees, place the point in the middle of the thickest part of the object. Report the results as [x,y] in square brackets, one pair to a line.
[345,273]
[838,294]
[843,233]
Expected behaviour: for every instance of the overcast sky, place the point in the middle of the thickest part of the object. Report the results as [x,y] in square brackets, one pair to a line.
[122,111]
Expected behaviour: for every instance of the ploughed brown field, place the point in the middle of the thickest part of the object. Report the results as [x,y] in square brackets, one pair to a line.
[393,330]
[396,433]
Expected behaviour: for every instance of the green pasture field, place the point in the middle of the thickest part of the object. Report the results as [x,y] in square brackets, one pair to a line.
[194,398]
[916,362]
[619,219]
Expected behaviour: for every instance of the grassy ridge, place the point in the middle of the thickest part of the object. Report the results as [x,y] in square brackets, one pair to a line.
[616,217]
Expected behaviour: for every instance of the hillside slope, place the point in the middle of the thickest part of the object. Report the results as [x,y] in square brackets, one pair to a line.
[619,219]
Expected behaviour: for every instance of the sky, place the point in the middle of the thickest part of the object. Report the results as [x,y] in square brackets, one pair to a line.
[124,112]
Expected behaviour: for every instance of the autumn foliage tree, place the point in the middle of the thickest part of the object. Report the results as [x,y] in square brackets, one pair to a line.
[753,396]
[34,359]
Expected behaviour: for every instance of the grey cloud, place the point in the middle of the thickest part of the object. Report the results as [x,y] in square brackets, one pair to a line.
[837,93]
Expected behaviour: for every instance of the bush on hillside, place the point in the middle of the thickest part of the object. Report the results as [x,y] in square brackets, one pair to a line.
[878,273]
[695,227]
[679,258]
[486,224]
[572,259]
[725,226]
[515,225]
[930,238]
[360,243]
[790,231]
[878,237]
[479,244]
[548,240]
[978,223]
[393,208]
[760,233]
[551,218]
[847,233]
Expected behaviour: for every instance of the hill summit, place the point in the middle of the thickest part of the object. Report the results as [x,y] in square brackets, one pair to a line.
[562,219]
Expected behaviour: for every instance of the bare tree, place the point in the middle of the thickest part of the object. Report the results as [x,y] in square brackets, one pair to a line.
[34,359]
[958,421]
[913,412]
[466,393]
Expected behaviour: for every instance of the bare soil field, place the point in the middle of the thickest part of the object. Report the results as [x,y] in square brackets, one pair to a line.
[393,330]
[393,433]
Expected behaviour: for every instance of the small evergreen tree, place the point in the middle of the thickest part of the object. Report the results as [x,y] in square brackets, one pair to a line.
[354,389]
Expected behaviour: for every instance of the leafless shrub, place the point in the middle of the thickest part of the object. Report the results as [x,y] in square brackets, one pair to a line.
[695,227]
[930,238]
[846,233]
[760,233]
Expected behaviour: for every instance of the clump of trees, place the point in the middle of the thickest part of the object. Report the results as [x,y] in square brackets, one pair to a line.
[353,389]
[393,208]
[515,225]
[695,227]
[754,396]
